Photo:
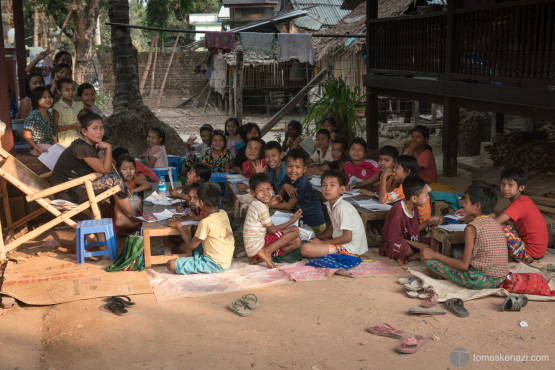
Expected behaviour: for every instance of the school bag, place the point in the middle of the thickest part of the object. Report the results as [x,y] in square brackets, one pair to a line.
[132,257]
[527,283]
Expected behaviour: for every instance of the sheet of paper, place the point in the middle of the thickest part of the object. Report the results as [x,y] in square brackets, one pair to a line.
[354,180]
[63,205]
[186,223]
[50,157]
[279,218]
[164,215]
[162,200]
[453,227]
[316,181]
[372,205]
[454,217]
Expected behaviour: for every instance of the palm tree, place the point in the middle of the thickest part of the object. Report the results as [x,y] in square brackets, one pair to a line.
[131,119]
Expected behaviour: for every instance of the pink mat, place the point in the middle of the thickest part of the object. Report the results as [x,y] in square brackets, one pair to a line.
[242,277]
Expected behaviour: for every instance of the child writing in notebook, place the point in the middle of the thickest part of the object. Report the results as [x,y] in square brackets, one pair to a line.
[217,157]
[155,155]
[65,113]
[484,263]
[215,234]
[200,172]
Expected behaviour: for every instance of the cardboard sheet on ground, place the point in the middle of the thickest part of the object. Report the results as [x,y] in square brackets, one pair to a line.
[241,277]
[48,280]
[446,289]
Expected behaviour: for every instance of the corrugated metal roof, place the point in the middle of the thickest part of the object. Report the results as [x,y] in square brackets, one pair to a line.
[248,2]
[321,13]
[281,17]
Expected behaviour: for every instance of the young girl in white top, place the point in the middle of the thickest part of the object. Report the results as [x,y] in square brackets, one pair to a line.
[156,155]
[232,135]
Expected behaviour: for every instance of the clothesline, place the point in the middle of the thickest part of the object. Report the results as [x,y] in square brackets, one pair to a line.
[162,29]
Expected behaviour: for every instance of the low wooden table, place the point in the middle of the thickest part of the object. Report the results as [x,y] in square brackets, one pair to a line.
[159,228]
[446,239]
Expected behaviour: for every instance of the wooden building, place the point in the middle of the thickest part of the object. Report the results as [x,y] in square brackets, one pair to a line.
[495,56]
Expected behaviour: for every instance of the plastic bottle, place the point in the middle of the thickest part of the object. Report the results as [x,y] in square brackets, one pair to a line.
[162,187]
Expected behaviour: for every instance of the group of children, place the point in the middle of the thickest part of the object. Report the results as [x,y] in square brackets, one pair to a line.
[278,180]
[51,110]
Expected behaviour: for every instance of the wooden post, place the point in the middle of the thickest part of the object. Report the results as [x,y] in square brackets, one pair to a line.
[433,113]
[451,111]
[331,63]
[372,124]
[20,53]
[416,112]
[5,114]
[239,87]
[92,199]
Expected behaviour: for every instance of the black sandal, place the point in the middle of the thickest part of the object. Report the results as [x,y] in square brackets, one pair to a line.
[456,306]
[119,299]
[514,302]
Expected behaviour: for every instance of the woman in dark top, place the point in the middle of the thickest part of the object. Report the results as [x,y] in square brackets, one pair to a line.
[83,157]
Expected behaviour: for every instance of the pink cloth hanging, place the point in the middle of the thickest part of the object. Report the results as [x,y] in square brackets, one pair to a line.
[216,41]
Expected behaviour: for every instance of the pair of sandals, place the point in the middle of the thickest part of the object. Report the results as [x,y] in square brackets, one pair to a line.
[410,344]
[243,306]
[514,302]
[117,304]
[414,288]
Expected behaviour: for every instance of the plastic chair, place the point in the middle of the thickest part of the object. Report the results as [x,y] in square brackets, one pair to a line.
[162,172]
[175,161]
[219,178]
[103,225]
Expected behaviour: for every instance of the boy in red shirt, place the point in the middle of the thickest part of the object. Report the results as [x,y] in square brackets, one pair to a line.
[529,242]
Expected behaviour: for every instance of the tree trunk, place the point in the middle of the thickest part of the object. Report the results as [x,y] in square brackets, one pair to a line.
[153,74]
[45,32]
[36,27]
[128,125]
[169,66]
[153,42]
[84,19]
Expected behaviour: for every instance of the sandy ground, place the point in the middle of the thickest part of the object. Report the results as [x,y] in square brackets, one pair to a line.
[309,325]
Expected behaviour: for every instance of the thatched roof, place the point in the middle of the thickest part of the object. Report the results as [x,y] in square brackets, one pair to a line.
[355,24]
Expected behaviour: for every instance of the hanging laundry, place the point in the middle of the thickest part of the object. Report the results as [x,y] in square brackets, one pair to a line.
[257,41]
[219,41]
[295,46]
[219,74]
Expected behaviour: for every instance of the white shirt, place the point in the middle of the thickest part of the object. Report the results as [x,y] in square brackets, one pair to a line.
[344,216]
[318,158]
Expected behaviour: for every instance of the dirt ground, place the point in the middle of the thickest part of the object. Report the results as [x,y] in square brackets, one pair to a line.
[308,325]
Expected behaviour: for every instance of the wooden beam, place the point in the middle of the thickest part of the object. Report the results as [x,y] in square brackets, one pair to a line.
[20,53]
[239,87]
[5,114]
[293,102]
[450,142]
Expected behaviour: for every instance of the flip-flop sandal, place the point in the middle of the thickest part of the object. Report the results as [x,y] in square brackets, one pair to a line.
[423,311]
[431,299]
[119,298]
[414,283]
[387,331]
[116,308]
[514,302]
[410,293]
[240,308]
[250,301]
[456,306]
[411,345]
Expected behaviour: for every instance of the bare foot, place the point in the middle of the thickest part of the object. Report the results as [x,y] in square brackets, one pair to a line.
[266,257]
[254,261]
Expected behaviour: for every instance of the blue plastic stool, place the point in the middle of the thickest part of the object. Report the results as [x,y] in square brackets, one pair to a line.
[162,172]
[175,162]
[103,225]
[219,178]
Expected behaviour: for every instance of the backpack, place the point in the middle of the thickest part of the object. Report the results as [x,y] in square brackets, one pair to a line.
[132,257]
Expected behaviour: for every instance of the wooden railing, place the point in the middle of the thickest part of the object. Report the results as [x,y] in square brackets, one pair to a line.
[511,43]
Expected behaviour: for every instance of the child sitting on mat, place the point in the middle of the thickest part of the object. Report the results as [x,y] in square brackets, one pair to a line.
[530,242]
[262,238]
[347,232]
[214,232]
[401,232]
[484,262]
